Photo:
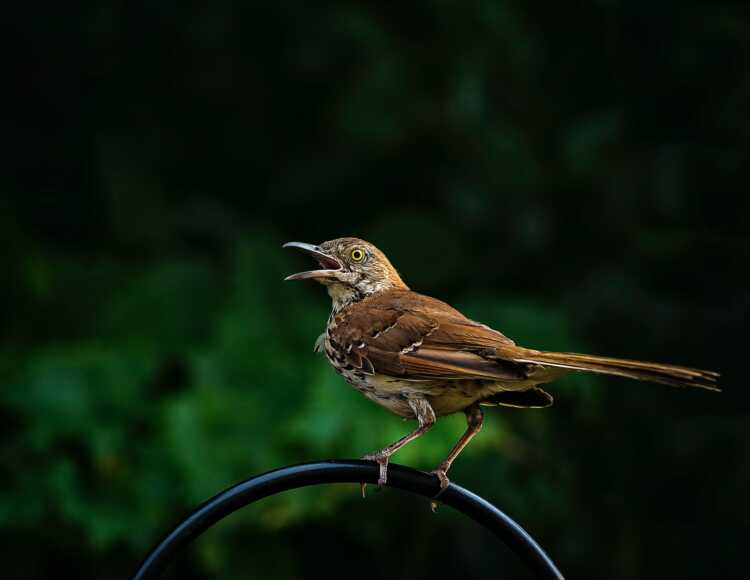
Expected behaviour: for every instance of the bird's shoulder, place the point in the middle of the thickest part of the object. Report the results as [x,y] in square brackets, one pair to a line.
[411,315]
[389,321]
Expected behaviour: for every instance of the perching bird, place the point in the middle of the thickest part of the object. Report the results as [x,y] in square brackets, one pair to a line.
[421,359]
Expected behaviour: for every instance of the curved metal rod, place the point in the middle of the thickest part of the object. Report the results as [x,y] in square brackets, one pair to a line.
[349,471]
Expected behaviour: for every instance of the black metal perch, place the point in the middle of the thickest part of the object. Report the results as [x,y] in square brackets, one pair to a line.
[350,471]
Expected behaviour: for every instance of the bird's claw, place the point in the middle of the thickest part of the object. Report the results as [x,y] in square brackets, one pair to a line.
[382,460]
[441,474]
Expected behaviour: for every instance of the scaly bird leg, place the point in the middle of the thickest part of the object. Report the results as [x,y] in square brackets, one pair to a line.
[474,417]
[426,417]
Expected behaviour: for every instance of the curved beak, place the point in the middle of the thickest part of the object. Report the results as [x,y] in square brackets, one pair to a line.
[329,265]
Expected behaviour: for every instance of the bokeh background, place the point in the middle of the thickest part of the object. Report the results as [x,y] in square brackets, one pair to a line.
[574,174]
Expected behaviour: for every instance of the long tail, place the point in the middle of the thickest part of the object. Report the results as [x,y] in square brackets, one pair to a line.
[674,376]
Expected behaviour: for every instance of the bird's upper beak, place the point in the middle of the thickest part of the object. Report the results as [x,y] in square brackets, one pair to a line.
[329,265]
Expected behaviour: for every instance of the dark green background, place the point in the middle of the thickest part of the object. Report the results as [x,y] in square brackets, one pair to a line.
[575,174]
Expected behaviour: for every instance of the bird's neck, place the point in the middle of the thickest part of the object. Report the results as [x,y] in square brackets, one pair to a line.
[343,295]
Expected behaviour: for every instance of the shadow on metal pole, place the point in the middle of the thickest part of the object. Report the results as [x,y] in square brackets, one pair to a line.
[350,471]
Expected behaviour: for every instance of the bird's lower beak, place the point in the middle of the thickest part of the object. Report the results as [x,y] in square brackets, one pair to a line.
[329,265]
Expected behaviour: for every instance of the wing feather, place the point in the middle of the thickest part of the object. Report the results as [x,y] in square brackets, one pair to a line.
[420,338]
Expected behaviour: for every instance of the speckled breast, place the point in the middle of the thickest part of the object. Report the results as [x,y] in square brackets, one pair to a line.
[389,392]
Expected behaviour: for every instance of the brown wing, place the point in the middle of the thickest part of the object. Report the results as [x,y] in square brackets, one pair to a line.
[404,334]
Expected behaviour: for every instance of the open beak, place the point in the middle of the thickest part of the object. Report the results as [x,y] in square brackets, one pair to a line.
[328,264]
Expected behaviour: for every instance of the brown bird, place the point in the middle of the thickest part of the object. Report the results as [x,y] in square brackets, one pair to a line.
[421,359]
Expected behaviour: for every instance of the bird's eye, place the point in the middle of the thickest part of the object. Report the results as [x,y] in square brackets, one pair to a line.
[357,255]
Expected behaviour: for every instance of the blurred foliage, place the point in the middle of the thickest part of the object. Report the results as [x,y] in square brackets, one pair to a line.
[574,175]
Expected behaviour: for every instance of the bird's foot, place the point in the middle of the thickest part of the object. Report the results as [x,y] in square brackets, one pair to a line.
[382,460]
[441,472]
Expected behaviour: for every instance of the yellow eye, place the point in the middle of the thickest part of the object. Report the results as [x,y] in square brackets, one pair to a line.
[357,255]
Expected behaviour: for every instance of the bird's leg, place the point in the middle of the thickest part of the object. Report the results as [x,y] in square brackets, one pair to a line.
[426,417]
[474,417]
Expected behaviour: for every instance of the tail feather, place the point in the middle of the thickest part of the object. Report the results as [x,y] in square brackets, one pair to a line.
[672,375]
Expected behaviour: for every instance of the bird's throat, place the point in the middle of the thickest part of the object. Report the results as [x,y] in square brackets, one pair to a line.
[342,295]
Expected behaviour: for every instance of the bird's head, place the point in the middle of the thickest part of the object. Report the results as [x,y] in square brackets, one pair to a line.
[351,268]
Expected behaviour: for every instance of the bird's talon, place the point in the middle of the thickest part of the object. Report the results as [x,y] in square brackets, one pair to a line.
[382,460]
[440,473]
